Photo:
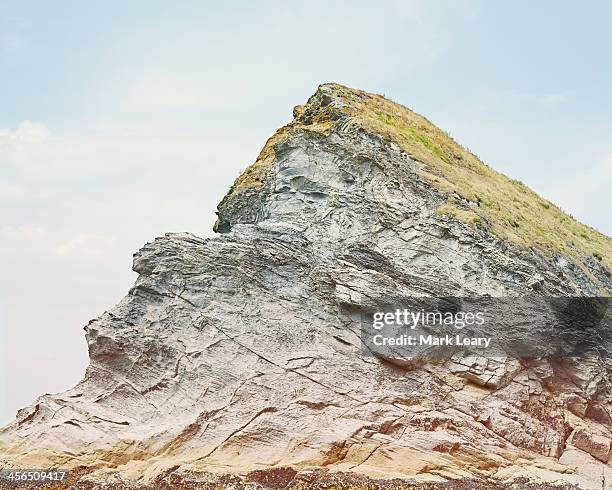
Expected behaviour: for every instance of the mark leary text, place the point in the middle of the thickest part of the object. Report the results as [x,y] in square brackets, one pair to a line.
[433,340]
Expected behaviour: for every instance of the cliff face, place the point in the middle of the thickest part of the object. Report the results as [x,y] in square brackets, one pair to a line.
[236,360]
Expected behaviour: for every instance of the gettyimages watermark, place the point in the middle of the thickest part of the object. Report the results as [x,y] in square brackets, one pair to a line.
[426,328]
[424,321]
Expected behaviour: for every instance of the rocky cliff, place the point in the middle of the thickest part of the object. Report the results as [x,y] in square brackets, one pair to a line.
[236,361]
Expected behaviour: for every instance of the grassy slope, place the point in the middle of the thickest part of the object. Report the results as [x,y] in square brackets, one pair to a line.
[506,207]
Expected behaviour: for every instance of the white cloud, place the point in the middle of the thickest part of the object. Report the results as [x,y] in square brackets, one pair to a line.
[34,238]
[22,232]
[31,151]
[84,244]
[26,133]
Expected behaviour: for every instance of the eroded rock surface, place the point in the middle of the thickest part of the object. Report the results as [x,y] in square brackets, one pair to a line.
[239,354]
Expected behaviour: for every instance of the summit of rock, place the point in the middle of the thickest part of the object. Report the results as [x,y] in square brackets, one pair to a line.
[465,188]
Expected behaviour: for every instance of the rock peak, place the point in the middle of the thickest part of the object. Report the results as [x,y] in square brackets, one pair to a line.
[238,360]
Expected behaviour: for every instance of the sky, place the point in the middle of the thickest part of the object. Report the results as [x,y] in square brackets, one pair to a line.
[121,121]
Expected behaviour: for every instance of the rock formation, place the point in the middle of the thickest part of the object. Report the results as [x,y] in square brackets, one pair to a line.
[236,362]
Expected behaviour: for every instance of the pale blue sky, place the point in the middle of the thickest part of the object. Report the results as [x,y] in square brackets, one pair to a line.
[121,120]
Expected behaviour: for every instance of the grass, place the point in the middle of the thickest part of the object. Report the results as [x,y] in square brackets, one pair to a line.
[506,207]
[465,215]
